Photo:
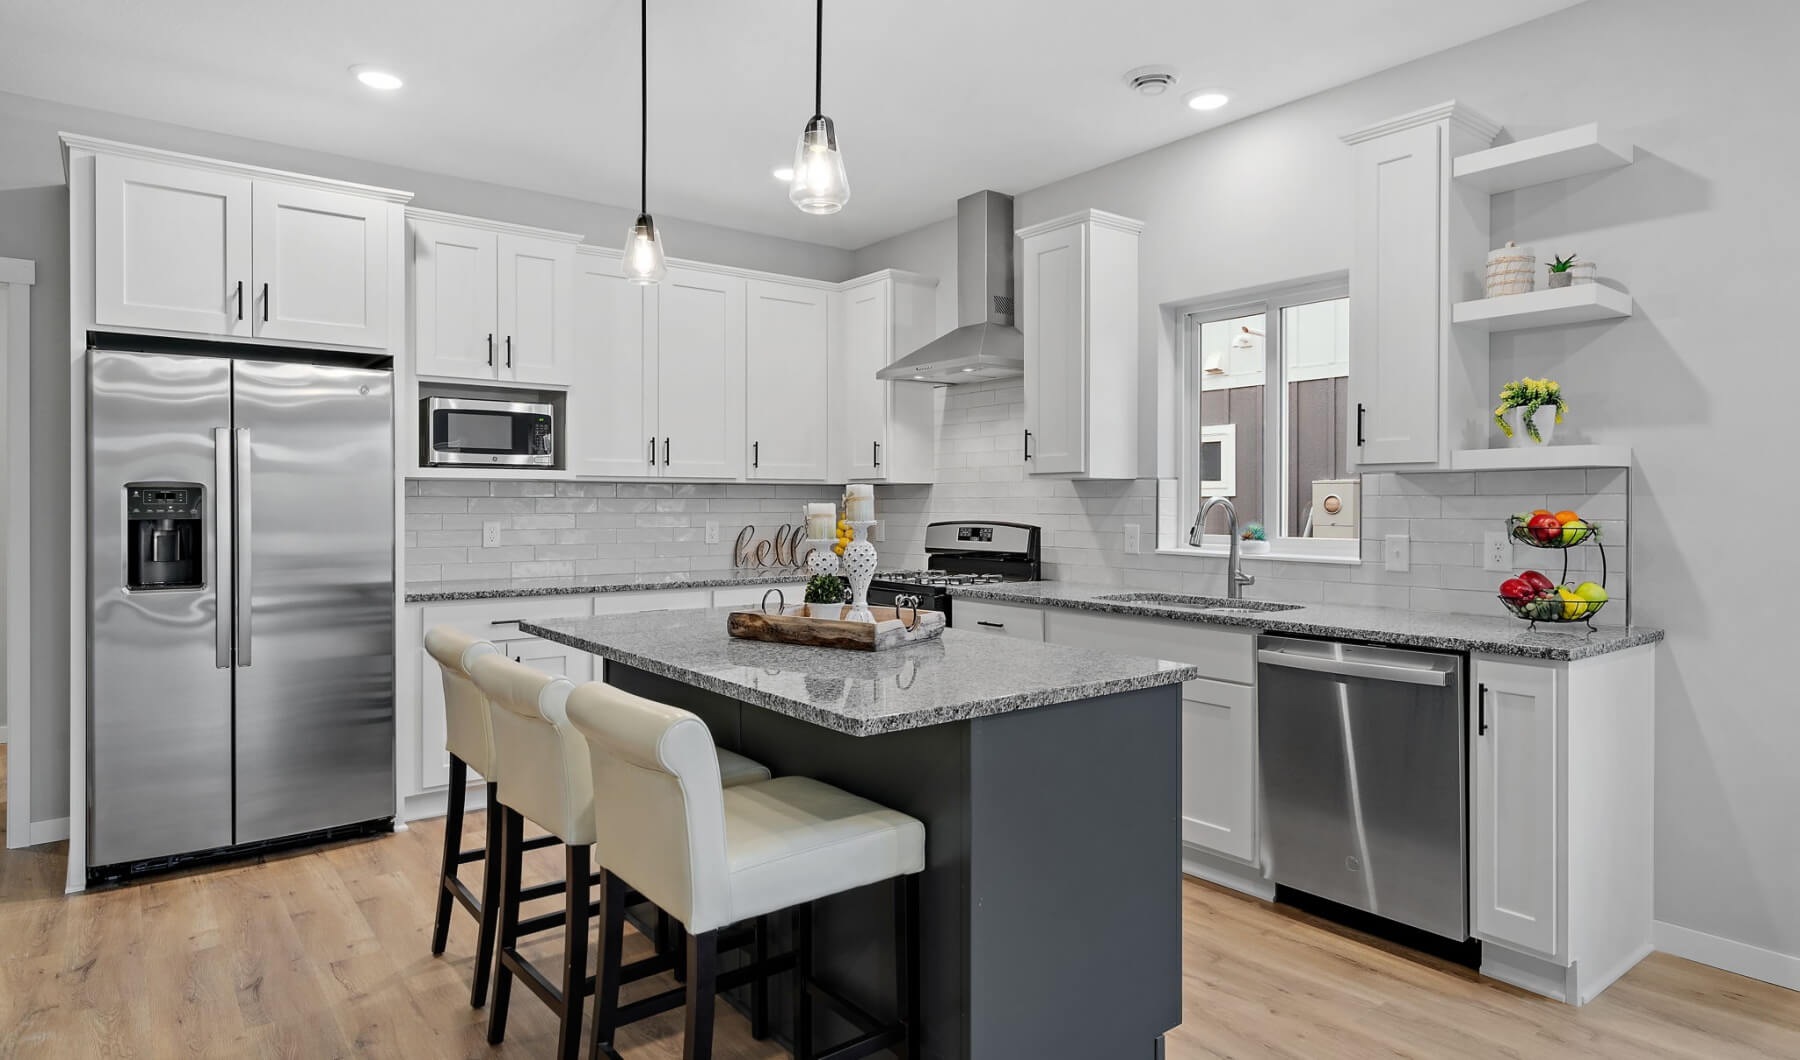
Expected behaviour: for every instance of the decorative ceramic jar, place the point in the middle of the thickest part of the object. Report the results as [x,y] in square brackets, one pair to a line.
[1511,269]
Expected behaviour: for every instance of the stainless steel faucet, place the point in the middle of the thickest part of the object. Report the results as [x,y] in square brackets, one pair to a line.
[1235,578]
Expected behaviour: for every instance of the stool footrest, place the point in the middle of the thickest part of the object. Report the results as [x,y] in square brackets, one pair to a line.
[533,979]
[545,921]
[539,842]
[473,854]
[867,1045]
[876,1035]
[657,1004]
[465,897]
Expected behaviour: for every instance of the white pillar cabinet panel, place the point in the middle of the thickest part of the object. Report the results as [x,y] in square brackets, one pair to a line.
[171,247]
[455,327]
[787,335]
[320,262]
[1517,810]
[1218,768]
[536,312]
[700,374]
[611,427]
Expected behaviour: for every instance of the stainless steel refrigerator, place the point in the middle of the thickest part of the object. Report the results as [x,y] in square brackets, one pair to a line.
[241,625]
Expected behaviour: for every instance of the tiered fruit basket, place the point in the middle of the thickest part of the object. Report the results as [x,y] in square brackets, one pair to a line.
[1552,605]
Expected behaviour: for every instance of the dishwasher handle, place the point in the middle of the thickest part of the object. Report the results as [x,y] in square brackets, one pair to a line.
[1406,675]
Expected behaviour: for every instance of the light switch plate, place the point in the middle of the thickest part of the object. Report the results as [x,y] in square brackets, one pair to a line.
[1134,539]
[490,533]
[1397,550]
[1496,552]
[712,532]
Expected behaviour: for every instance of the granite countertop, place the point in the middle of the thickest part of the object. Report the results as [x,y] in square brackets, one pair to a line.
[499,588]
[957,676]
[1496,635]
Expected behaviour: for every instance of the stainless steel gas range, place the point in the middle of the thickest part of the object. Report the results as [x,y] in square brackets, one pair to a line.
[969,552]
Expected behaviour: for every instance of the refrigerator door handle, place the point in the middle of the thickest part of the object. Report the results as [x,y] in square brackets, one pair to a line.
[221,531]
[242,535]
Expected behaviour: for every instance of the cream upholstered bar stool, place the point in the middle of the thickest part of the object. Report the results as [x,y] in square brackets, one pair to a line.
[546,776]
[469,740]
[714,856]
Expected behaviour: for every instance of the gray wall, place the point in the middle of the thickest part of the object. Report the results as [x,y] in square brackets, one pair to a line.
[34,225]
[1701,230]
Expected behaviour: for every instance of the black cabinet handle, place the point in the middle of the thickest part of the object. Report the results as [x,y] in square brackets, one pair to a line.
[1028,445]
[877,446]
[506,621]
[755,454]
[509,351]
[1359,424]
[990,625]
[665,452]
[265,303]
[652,450]
[1481,710]
[490,349]
[240,299]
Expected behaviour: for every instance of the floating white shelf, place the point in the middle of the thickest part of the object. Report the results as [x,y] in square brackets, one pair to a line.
[1540,458]
[1570,153]
[1576,304]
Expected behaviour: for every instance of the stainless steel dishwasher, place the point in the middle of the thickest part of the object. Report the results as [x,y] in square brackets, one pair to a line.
[1361,753]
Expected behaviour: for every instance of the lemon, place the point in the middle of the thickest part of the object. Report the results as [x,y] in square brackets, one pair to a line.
[1573,605]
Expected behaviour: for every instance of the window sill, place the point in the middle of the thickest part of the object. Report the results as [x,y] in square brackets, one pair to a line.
[1275,554]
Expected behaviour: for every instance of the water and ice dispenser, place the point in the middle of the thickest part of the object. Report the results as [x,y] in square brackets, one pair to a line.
[164,543]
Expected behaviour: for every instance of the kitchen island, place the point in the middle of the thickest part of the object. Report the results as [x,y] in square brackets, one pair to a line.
[1048,780]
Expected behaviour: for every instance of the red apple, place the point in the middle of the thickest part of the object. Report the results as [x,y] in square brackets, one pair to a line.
[1546,527]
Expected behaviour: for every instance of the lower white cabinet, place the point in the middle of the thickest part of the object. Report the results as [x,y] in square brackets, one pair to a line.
[1516,805]
[1007,620]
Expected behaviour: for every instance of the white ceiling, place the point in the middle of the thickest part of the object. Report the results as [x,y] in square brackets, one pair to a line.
[933,98]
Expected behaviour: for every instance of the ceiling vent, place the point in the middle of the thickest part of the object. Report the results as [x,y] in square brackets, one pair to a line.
[1151,80]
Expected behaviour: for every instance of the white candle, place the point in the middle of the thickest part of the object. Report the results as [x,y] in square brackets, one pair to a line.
[859,502]
[821,521]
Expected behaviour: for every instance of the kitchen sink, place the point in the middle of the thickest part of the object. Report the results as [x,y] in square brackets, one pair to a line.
[1218,604]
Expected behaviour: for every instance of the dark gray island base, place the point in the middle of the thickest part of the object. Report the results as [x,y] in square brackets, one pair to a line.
[1051,895]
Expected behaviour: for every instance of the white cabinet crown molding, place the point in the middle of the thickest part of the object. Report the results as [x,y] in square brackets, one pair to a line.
[19,271]
[414,213]
[1097,218]
[718,270]
[896,275]
[75,142]
[1457,114]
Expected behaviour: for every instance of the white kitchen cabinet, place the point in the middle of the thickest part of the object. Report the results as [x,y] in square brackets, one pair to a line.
[492,302]
[1079,314]
[698,348]
[1006,620]
[1516,805]
[1418,385]
[787,344]
[195,246]
[611,427]
[881,431]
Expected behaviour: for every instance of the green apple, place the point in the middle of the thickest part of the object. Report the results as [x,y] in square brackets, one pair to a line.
[1574,532]
[1593,592]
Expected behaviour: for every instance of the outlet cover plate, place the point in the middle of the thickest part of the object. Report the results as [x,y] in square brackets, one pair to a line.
[490,533]
[1496,552]
[1134,539]
[712,532]
[1397,550]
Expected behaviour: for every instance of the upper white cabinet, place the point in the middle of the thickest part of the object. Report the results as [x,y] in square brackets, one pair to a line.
[787,338]
[611,428]
[1079,290]
[1418,385]
[880,431]
[698,346]
[195,246]
[492,302]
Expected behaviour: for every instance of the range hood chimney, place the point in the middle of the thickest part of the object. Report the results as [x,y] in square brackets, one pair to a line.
[985,344]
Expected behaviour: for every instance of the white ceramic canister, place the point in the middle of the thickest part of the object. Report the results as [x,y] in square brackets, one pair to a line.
[1511,269]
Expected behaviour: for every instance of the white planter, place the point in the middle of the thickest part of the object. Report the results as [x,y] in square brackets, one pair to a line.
[1253,548]
[1545,419]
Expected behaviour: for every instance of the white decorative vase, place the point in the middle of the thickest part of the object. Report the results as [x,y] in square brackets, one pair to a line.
[1545,419]
[1582,272]
[1511,269]
[859,570]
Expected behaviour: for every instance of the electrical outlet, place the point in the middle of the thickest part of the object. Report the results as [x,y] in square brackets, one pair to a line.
[1398,552]
[712,532]
[1496,551]
[490,533]
[1134,539]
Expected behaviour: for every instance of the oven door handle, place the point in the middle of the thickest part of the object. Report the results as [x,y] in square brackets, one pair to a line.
[1406,675]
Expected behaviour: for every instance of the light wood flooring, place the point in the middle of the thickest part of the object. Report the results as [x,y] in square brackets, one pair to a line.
[325,954]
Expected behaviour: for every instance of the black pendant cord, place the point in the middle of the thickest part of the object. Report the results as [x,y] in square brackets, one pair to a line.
[819,61]
[644,107]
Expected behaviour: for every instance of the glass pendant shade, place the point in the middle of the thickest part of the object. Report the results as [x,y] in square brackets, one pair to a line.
[644,264]
[820,185]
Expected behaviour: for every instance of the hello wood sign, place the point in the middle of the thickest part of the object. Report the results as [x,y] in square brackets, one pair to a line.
[786,547]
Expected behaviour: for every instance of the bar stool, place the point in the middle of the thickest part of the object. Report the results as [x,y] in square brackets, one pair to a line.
[546,775]
[714,856]
[469,739]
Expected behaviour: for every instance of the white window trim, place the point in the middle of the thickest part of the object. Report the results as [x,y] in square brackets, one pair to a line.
[1268,301]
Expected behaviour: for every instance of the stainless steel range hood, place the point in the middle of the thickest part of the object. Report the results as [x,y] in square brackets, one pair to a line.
[985,344]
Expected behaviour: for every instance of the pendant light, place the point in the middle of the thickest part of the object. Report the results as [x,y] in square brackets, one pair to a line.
[819,185]
[644,263]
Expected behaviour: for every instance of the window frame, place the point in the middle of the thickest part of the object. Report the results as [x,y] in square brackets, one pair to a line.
[1269,301]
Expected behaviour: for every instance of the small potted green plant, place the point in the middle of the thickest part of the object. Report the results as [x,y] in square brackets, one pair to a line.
[825,596]
[1254,540]
[1560,271]
[1521,412]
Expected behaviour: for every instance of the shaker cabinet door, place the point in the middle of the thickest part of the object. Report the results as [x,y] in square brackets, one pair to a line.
[536,314]
[700,375]
[786,380]
[320,266]
[454,325]
[611,427]
[1516,805]
[1054,323]
[171,248]
[864,332]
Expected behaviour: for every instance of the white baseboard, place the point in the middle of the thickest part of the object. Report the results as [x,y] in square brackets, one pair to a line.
[1771,967]
[435,803]
[53,831]
[1203,865]
[2,734]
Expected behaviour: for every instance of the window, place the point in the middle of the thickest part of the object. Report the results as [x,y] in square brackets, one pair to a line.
[1265,396]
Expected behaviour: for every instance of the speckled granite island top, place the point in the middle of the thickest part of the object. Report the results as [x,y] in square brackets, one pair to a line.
[500,588]
[1499,635]
[959,676]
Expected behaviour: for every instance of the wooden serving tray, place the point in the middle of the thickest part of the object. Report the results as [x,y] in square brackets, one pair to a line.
[795,625]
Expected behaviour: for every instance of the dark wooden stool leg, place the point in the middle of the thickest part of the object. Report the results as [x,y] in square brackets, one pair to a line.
[607,980]
[906,963]
[578,865]
[511,860]
[490,902]
[703,970]
[759,987]
[453,826]
[803,970]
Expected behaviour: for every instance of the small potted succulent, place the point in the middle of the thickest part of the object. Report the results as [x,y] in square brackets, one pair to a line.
[825,596]
[1561,271]
[1522,413]
[1254,540]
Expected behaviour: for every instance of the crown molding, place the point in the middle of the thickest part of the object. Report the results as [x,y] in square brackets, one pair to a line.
[487,225]
[1450,110]
[18,271]
[1097,218]
[73,142]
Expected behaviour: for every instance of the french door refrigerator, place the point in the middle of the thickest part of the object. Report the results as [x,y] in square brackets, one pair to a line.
[241,683]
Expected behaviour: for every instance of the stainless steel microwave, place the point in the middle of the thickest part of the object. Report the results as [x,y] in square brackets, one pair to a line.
[468,431]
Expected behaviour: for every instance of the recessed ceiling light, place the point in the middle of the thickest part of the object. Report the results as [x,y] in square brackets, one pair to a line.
[1151,80]
[1207,100]
[782,173]
[377,78]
